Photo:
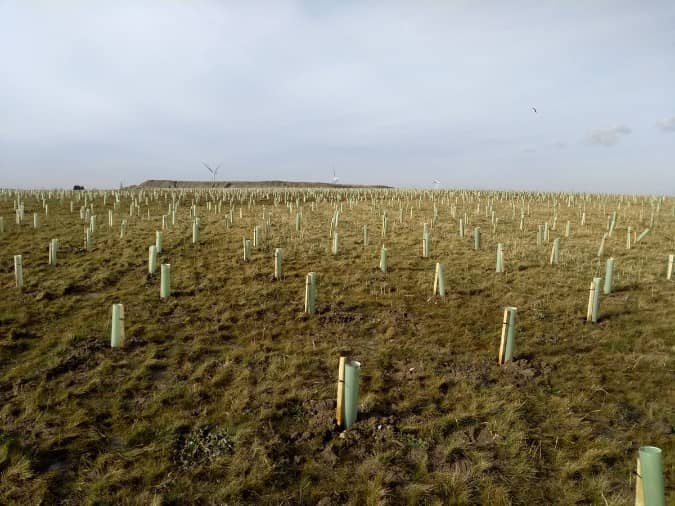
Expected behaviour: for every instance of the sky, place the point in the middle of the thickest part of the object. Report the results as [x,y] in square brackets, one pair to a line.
[101,93]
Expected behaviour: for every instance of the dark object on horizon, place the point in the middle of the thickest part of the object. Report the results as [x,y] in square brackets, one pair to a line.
[78,187]
[534,109]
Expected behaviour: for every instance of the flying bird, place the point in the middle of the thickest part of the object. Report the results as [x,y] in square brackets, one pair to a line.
[335,178]
[534,109]
[436,183]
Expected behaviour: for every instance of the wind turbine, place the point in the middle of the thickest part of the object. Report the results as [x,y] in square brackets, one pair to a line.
[214,172]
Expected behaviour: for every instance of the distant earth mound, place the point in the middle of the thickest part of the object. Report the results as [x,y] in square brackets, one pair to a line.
[167,183]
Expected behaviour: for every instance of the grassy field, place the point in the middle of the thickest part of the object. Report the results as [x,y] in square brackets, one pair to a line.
[225,392]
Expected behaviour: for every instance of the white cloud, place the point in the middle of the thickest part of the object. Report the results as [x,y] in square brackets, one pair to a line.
[608,136]
[666,124]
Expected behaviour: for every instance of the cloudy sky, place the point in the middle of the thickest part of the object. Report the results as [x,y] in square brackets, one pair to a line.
[399,93]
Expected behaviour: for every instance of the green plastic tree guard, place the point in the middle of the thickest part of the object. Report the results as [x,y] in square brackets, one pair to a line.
[53,249]
[383,259]
[508,342]
[439,281]
[555,252]
[256,236]
[609,276]
[651,465]
[247,250]
[165,281]
[277,263]
[593,301]
[351,404]
[310,293]
[642,235]
[18,270]
[195,232]
[426,246]
[117,331]
[500,258]
[152,259]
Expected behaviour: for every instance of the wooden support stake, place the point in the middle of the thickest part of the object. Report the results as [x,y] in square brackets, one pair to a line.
[589,311]
[639,487]
[339,410]
[502,345]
